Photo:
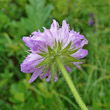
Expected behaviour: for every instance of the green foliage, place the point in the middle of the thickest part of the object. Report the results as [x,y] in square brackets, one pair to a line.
[37,15]
[20,18]
[3,21]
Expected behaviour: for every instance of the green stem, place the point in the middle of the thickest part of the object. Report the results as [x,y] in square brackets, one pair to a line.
[71,85]
[52,69]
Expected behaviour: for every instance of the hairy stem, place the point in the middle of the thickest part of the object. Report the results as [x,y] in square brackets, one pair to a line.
[52,69]
[71,85]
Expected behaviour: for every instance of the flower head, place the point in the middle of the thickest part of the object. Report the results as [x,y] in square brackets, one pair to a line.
[46,46]
[91,22]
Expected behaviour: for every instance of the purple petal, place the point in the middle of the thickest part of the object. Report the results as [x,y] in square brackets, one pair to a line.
[48,77]
[36,33]
[75,38]
[84,42]
[54,26]
[64,33]
[55,77]
[81,53]
[54,30]
[44,75]
[49,37]
[36,73]
[78,43]
[68,68]
[35,41]
[29,43]
[30,63]
[91,22]
[77,64]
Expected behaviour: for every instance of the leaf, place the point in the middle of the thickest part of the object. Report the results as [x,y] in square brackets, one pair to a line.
[72,51]
[44,62]
[55,45]
[19,97]
[45,69]
[59,46]
[67,59]
[4,105]
[66,48]
[37,14]
[43,54]
[71,65]
[50,50]
[4,20]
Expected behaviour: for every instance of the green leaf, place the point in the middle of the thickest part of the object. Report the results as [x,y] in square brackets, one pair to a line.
[50,50]
[43,54]
[19,97]
[72,51]
[52,69]
[66,48]
[59,46]
[55,45]
[46,68]
[68,59]
[44,62]
[37,14]
[71,65]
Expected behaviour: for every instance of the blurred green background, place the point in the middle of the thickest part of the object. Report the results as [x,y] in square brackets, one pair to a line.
[19,18]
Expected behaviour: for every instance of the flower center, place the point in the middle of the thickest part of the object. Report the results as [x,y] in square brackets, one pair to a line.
[57,51]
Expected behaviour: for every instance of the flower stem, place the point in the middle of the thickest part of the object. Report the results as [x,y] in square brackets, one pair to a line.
[52,69]
[71,85]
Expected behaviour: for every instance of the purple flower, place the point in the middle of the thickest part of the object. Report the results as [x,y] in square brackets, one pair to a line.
[46,46]
[91,22]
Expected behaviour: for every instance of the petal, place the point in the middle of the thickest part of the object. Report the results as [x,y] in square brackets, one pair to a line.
[77,64]
[54,30]
[35,42]
[55,77]
[30,63]
[48,77]
[38,36]
[44,75]
[77,34]
[47,74]
[54,26]
[49,37]
[68,68]
[81,53]
[64,34]
[28,42]
[84,42]
[77,40]
[39,41]
[36,33]
[78,43]
[36,73]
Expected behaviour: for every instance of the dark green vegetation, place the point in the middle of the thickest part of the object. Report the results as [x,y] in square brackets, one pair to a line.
[21,17]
